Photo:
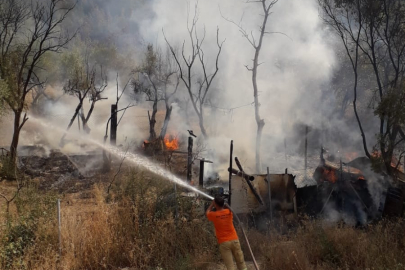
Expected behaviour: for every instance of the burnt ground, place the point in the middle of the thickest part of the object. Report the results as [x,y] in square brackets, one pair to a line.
[63,173]
[79,172]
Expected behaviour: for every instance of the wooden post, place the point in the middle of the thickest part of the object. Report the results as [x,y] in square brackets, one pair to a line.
[230,173]
[59,230]
[189,159]
[113,129]
[306,151]
[269,188]
[201,182]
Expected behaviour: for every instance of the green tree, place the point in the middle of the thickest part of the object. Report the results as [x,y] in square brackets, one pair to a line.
[83,80]
[156,80]
[4,92]
[373,31]
[27,33]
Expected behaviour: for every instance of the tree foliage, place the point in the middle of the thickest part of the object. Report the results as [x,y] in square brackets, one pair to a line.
[28,32]
[374,32]
[155,81]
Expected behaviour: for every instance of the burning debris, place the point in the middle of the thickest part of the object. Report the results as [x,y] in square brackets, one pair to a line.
[169,143]
[350,189]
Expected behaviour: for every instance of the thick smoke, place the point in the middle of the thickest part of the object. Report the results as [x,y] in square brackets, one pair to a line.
[297,77]
[296,68]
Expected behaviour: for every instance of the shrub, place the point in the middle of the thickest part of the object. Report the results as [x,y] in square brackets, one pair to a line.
[24,228]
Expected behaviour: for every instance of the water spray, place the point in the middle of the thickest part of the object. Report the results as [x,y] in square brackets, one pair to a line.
[145,163]
[151,166]
[136,159]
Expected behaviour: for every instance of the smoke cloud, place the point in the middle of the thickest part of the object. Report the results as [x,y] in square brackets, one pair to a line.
[296,78]
[297,65]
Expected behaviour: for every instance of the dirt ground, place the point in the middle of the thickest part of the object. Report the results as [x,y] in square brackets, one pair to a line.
[216,266]
[250,266]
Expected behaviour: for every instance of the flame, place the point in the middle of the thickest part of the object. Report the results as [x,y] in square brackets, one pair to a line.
[394,160]
[329,175]
[171,142]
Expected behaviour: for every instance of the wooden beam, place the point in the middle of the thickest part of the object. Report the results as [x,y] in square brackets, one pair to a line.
[230,173]
[113,128]
[190,159]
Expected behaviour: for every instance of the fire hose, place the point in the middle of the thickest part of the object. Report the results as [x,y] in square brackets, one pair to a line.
[245,236]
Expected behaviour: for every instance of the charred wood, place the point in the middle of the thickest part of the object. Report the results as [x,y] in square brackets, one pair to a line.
[242,174]
[238,164]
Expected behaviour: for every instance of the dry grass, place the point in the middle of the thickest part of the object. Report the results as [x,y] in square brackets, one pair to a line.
[135,227]
[321,246]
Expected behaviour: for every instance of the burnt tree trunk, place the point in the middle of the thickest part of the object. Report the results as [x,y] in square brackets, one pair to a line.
[259,120]
[85,120]
[152,122]
[166,121]
[77,111]
[201,123]
[190,159]
[15,140]
[18,124]
[114,125]
[260,126]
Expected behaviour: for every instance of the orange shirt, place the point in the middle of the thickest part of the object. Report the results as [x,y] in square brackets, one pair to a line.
[223,223]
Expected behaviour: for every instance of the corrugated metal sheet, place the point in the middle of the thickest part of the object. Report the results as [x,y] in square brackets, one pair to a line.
[283,190]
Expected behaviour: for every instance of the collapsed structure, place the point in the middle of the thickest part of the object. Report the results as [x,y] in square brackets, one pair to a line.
[352,189]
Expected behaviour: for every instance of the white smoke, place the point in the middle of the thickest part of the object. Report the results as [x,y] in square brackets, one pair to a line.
[294,71]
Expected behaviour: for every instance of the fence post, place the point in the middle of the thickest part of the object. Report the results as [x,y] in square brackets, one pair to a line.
[59,230]
[230,172]
[190,159]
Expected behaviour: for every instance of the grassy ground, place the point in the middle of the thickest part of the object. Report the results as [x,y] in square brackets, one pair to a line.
[134,227]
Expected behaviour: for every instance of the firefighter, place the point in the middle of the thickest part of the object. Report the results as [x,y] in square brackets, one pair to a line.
[228,240]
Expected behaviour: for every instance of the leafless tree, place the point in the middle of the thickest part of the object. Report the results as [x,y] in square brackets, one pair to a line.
[119,96]
[197,89]
[27,33]
[257,43]
[106,158]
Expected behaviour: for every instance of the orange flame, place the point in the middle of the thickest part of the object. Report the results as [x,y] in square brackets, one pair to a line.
[394,160]
[329,175]
[171,142]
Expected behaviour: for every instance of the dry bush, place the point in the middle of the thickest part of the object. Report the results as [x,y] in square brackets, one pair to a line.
[29,228]
[319,246]
[136,228]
